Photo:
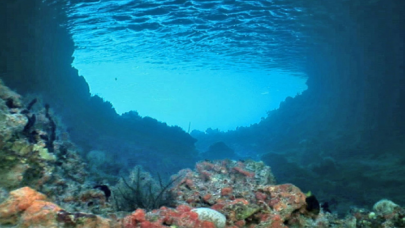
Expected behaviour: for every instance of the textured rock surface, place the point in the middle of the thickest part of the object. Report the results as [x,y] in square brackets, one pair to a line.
[18,201]
[40,214]
[207,214]
[213,181]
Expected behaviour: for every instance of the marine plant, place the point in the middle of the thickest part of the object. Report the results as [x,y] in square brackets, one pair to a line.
[142,191]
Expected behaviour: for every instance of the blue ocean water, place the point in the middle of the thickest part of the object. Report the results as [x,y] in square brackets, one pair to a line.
[192,34]
[174,60]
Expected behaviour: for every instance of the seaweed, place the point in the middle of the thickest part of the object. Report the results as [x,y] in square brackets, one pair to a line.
[31,135]
[31,104]
[31,122]
[140,195]
[27,110]
[51,131]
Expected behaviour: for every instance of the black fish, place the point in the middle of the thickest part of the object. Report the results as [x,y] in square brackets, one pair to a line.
[105,189]
[312,204]
[325,207]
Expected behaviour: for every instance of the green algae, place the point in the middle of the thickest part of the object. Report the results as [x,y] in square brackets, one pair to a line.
[246,211]
[43,153]
[7,159]
[242,210]
[21,147]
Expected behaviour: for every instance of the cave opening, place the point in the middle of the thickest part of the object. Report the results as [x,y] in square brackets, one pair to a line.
[341,139]
[184,67]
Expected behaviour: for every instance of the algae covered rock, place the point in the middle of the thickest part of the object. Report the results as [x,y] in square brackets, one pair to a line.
[241,210]
[385,207]
[26,208]
[27,151]
[10,98]
[18,201]
[13,176]
[40,214]
[263,173]
[44,153]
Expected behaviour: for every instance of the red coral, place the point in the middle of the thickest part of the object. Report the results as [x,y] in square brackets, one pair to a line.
[208,165]
[244,172]
[207,197]
[138,215]
[260,196]
[226,191]
[187,219]
[207,224]
[135,218]
[218,206]
[168,215]
[183,208]
[189,183]
[205,175]
[146,224]
[127,222]
[239,200]
[240,223]
[264,217]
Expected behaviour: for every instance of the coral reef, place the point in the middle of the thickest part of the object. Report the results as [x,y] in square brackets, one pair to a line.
[220,180]
[31,152]
[23,154]
[385,207]
[26,207]
[45,183]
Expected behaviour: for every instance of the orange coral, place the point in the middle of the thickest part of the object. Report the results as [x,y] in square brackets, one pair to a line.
[18,201]
[40,214]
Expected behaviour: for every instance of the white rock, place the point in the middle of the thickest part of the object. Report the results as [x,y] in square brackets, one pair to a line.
[207,214]
[385,207]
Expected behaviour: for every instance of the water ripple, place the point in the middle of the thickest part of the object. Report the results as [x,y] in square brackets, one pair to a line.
[194,33]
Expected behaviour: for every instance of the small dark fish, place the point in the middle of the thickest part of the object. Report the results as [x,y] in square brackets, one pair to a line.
[312,204]
[325,207]
[105,189]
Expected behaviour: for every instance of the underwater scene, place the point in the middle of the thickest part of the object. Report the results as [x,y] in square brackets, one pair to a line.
[202,114]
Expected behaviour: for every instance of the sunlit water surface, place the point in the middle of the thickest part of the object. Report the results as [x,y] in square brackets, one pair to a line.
[218,64]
